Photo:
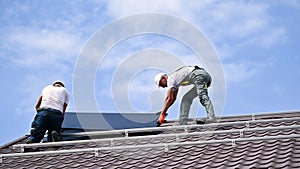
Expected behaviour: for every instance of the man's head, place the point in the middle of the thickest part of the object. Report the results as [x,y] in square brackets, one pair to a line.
[58,83]
[161,80]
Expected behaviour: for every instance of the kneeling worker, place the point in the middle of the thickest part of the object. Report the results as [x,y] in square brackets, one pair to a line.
[50,107]
[183,76]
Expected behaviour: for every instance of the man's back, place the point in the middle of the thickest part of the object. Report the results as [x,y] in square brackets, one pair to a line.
[180,77]
[54,97]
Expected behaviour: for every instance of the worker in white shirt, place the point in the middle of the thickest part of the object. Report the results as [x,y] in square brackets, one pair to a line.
[50,107]
[186,75]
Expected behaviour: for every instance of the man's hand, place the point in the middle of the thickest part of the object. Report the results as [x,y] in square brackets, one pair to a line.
[38,103]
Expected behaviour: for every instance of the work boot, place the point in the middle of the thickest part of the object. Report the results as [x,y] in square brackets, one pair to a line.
[183,121]
[55,136]
[210,120]
[28,141]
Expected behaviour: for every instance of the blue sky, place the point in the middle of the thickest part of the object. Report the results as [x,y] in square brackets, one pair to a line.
[257,43]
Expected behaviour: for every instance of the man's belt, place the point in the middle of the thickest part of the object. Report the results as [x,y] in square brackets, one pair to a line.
[50,109]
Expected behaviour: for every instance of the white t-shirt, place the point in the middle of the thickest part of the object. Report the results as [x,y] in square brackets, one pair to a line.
[54,97]
[180,77]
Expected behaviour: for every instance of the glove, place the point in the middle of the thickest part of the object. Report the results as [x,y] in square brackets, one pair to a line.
[161,119]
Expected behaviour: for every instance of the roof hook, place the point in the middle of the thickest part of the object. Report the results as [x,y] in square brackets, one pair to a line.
[247,124]
[253,117]
[166,148]
[233,143]
[97,152]
[241,133]
[22,149]
[112,143]
[186,129]
[177,138]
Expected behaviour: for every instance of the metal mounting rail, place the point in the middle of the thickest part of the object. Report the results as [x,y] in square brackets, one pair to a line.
[165,146]
[176,136]
[183,127]
[263,114]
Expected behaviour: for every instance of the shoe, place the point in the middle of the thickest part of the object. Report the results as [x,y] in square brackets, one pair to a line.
[55,136]
[210,120]
[183,122]
[200,121]
[28,141]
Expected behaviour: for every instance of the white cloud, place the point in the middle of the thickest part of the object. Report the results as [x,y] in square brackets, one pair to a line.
[37,48]
[270,39]
[243,71]
[243,22]
[238,72]
[236,18]
[292,3]
[129,7]
[232,23]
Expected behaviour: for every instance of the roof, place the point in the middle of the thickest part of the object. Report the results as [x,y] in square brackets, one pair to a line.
[263,140]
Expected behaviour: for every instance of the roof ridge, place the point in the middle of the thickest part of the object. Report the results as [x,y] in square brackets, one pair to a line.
[14,141]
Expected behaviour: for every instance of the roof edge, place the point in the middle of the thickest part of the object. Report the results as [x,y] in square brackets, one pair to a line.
[13,142]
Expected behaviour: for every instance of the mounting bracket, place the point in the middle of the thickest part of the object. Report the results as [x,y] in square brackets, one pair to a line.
[241,133]
[233,143]
[186,129]
[112,143]
[166,148]
[247,124]
[253,117]
[97,152]
[177,138]
[22,149]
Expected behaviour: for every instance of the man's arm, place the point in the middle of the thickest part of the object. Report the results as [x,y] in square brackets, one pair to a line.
[64,108]
[170,99]
[37,106]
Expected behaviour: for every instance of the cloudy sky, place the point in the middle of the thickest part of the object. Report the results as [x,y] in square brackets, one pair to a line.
[109,51]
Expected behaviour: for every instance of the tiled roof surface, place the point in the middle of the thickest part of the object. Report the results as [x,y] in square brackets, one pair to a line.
[260,141]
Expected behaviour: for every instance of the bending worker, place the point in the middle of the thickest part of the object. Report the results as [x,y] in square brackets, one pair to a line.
[186,75]
[50,107]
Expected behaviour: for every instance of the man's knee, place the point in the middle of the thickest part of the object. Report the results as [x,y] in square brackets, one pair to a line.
[36,135]
[33,131]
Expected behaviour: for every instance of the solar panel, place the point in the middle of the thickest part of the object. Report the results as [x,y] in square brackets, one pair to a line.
[108,121]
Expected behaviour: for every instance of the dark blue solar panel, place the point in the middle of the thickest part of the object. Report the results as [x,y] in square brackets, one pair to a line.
[108,121]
